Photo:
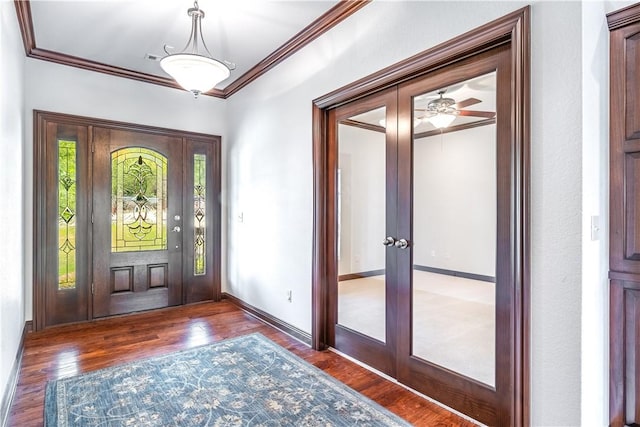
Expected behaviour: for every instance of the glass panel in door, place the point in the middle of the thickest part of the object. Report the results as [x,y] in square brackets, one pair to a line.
[361,202]
[454,228]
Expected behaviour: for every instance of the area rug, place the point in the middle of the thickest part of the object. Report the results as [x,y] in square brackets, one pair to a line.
[244,381]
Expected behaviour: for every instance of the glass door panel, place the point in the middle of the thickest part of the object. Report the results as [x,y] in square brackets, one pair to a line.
[454,228]
[361,223]
[362,299]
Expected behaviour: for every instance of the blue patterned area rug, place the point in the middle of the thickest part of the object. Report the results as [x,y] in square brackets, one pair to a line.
[244,381]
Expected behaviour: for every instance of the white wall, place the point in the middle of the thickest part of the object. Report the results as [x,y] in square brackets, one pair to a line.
[556,164]
[362,168]
[12,191]
[454,201]
[270,164]
[63,89]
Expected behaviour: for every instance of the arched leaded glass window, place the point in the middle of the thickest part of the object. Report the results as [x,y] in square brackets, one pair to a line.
[138,200]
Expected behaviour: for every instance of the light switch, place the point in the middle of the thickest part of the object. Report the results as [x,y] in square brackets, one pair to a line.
[595,227]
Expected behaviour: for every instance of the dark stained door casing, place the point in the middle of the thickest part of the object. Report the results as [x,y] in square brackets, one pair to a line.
[73,201]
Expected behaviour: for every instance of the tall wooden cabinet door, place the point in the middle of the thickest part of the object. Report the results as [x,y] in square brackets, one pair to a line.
[624,210]
[625,149]
[137,221]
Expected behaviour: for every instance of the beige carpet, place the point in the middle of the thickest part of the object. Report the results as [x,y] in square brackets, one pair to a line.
[453,319]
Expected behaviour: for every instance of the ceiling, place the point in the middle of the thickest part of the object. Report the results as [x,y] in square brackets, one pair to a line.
[116,36]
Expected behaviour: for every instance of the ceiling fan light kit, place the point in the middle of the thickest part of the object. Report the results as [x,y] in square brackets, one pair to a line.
[442,120]
[195,71]
[441,112]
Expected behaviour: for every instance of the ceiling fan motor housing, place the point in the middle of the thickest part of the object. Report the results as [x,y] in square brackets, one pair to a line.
[442,106]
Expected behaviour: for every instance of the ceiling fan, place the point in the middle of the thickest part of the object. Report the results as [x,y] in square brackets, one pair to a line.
[441,112]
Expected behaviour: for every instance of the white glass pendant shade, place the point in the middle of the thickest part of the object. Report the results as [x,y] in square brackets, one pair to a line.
[195,73]
[442,120]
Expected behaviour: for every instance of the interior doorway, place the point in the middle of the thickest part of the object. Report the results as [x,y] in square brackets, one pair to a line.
[421,244]
[127,218]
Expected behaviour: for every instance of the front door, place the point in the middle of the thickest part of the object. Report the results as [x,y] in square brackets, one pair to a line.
[137,221]
[127,218]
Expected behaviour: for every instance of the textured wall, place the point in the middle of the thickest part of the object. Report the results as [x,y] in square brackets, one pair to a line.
[12,191]
[269,158]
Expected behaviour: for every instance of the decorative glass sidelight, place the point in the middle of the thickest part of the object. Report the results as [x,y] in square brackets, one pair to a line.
[138,200]
[67,214]
[199,210]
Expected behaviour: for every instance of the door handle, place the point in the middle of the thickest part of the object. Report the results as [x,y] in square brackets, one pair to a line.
[175,229]
[389,241]
[402,244]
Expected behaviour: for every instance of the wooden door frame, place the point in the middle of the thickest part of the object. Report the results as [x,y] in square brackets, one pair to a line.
[40,120]
[512,30]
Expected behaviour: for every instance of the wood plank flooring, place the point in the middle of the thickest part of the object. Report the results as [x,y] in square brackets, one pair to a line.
[75,349]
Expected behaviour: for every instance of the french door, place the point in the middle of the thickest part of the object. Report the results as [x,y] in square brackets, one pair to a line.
[424,213]
[127,218]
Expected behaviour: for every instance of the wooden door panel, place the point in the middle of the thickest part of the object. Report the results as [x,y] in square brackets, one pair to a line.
[137,279]
[625,352]
[201,220]
[632,86]
[480,400]
[376,351]
[65,303]
[624,148]
[632,230]
[624,214]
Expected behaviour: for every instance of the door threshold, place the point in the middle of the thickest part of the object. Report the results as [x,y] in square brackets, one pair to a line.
[395,381]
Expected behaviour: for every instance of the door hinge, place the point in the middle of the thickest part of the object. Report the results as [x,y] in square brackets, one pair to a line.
[92,289]
[93,147]
[91,217]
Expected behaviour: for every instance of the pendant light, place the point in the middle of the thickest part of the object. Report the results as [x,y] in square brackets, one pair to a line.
[195,70]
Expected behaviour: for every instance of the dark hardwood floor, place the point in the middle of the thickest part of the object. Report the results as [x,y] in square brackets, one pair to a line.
[74,349]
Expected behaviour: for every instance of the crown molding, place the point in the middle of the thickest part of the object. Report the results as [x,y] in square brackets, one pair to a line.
[328,20]
[623,17]
[324,23]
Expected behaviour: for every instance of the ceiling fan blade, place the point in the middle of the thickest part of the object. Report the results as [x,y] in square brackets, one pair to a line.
[467,102]
[485,114]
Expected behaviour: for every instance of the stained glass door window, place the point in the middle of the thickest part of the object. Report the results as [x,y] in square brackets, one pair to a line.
[138,200]
[199,204]
[67,214]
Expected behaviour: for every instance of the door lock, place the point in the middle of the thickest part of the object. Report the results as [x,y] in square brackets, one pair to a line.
[176,229]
